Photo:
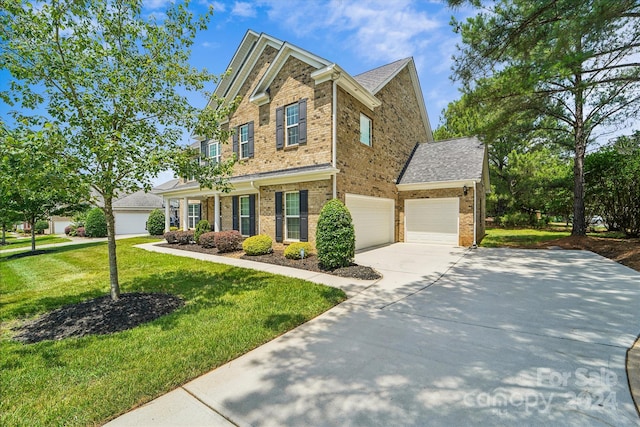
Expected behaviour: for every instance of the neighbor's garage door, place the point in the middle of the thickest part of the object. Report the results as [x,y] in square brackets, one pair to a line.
[373,219]
[131,222]
[432,220]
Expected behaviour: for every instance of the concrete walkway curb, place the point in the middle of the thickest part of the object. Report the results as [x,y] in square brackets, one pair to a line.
[351,287]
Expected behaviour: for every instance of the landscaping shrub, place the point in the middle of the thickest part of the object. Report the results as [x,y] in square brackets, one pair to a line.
[201,228]
[207,240]
[155,222]
[80,232]
[172,228]
[96,224]
[68,229]
[228,241]
[171,237]
[293,250]
[335,236]
[184,237]
[41,226]
[257,245]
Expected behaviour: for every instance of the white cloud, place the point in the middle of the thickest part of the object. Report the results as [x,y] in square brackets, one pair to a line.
[244,9]
[217,6]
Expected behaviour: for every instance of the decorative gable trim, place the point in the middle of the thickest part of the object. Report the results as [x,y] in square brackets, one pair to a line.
[348,83]
[244,60]
[260,95]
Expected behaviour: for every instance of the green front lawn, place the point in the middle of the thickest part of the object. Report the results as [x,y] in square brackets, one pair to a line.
[81,381]
[13,242]
[501,237]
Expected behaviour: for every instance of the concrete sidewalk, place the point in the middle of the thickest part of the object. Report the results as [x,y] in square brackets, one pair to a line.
[447,337]
[74,241]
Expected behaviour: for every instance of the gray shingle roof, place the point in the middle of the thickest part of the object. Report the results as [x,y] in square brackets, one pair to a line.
[139,199]
[374,80]
[449,160]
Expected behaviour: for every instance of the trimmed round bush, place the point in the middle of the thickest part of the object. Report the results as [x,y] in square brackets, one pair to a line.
[171,237]
[41,226]
[207,240]
[67,229]
[201,228]
[335,236]
[257,245]
[228,241]
[155,222]
[293,250]
[184,237]
[80,232]
[96,223]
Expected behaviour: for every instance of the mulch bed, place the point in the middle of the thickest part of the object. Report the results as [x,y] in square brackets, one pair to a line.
[277,257]
[98,316]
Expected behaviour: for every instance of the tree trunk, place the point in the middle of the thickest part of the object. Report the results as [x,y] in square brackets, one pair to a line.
[111,237]
[33,234]
[580,142]
[4,235]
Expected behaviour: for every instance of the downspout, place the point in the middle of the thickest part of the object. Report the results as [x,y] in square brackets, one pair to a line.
[334,131]
[475,217]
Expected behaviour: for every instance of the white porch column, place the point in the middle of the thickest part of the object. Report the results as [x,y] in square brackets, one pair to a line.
[185,213]
[167,214]
[216,212]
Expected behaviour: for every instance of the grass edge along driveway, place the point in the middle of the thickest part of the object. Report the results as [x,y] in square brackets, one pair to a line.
[86,381]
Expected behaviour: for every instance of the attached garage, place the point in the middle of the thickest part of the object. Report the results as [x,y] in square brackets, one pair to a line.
[131,222]
[373,219]
[432,220]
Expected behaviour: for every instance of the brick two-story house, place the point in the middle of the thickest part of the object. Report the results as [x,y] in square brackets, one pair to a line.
[306,131]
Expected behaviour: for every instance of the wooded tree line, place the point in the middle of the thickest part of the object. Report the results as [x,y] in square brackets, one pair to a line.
[542,81]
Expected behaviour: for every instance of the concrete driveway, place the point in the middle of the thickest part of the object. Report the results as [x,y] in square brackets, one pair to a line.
[447,337]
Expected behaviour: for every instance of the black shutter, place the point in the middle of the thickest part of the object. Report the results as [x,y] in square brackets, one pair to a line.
[235,142]
[203,149]
[279,216]
[302,121]
[279,127]
[250,126]
[304,215]
[252,215]
[235,207]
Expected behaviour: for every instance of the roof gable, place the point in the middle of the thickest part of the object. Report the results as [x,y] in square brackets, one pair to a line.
[461,159]
[376,79]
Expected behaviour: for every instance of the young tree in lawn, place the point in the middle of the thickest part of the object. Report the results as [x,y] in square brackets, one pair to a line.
[114,78]
[35,182]
[572,60]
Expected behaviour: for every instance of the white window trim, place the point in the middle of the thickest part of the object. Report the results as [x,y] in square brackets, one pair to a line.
[370,129]
[240,216]
[194,217]
[286,217]
[218,157]
[241,142]
[287,126]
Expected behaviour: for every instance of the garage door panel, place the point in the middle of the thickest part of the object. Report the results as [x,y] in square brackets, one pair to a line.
[432,220]
[131,222]
[373,219]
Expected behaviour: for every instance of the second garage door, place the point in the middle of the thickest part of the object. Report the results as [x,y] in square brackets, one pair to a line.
[131,222]
[432,220]
[373,219]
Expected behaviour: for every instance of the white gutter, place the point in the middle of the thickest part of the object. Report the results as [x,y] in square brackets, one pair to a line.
[334,134]
[475,216]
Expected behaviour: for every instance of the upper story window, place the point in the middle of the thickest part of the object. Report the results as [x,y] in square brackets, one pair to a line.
[244,141]
[292,124]
[214,152]
[365,130]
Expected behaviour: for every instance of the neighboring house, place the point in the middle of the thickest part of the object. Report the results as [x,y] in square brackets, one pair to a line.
[306,131]
[132,211]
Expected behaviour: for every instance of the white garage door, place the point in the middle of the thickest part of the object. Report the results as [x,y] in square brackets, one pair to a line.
[432,220]
[131,222]
[372,219]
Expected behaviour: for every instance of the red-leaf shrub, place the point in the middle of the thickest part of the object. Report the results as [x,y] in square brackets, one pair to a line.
[184,237]
[228,241]
[67,230]
[80,232]
[170,237]
[208,240]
